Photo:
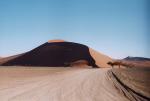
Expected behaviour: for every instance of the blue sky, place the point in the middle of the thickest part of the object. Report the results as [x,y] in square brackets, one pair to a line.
[118,28]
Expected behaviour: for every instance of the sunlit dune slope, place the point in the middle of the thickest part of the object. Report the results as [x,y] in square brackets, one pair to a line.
[100,59]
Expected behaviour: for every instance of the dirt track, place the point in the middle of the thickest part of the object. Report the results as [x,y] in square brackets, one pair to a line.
[53,84]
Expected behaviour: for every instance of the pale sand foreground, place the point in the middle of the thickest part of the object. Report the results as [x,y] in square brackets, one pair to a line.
[56,84]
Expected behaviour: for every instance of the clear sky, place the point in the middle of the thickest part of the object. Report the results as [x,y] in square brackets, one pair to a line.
[117,28]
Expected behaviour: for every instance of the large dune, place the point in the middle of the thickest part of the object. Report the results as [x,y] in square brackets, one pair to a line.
[58,53]
[55,54]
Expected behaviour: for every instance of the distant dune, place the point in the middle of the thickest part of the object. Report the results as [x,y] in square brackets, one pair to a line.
[140,62]
[129,58]
[6,59]
[58,53]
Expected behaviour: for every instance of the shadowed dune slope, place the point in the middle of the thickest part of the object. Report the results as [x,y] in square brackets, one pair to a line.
[54,54]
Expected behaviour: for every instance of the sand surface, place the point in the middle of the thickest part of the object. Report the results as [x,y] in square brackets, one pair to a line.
[135,82]
[56,84]
[56,40]
[100,59]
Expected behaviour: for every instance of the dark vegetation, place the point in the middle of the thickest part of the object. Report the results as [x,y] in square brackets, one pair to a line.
[119,64]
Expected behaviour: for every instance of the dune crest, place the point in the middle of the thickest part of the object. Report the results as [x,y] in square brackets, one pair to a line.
[56,40]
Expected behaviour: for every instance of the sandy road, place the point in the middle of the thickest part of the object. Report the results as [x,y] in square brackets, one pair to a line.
[53,84]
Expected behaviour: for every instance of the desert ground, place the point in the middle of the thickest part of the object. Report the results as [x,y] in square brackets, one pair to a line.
[60,84]
[56,84]
[134,83]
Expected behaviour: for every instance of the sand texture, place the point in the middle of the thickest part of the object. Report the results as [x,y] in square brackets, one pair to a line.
[100,59]
[56,84]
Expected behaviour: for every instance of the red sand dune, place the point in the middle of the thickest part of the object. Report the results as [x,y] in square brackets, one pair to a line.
[59,53]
